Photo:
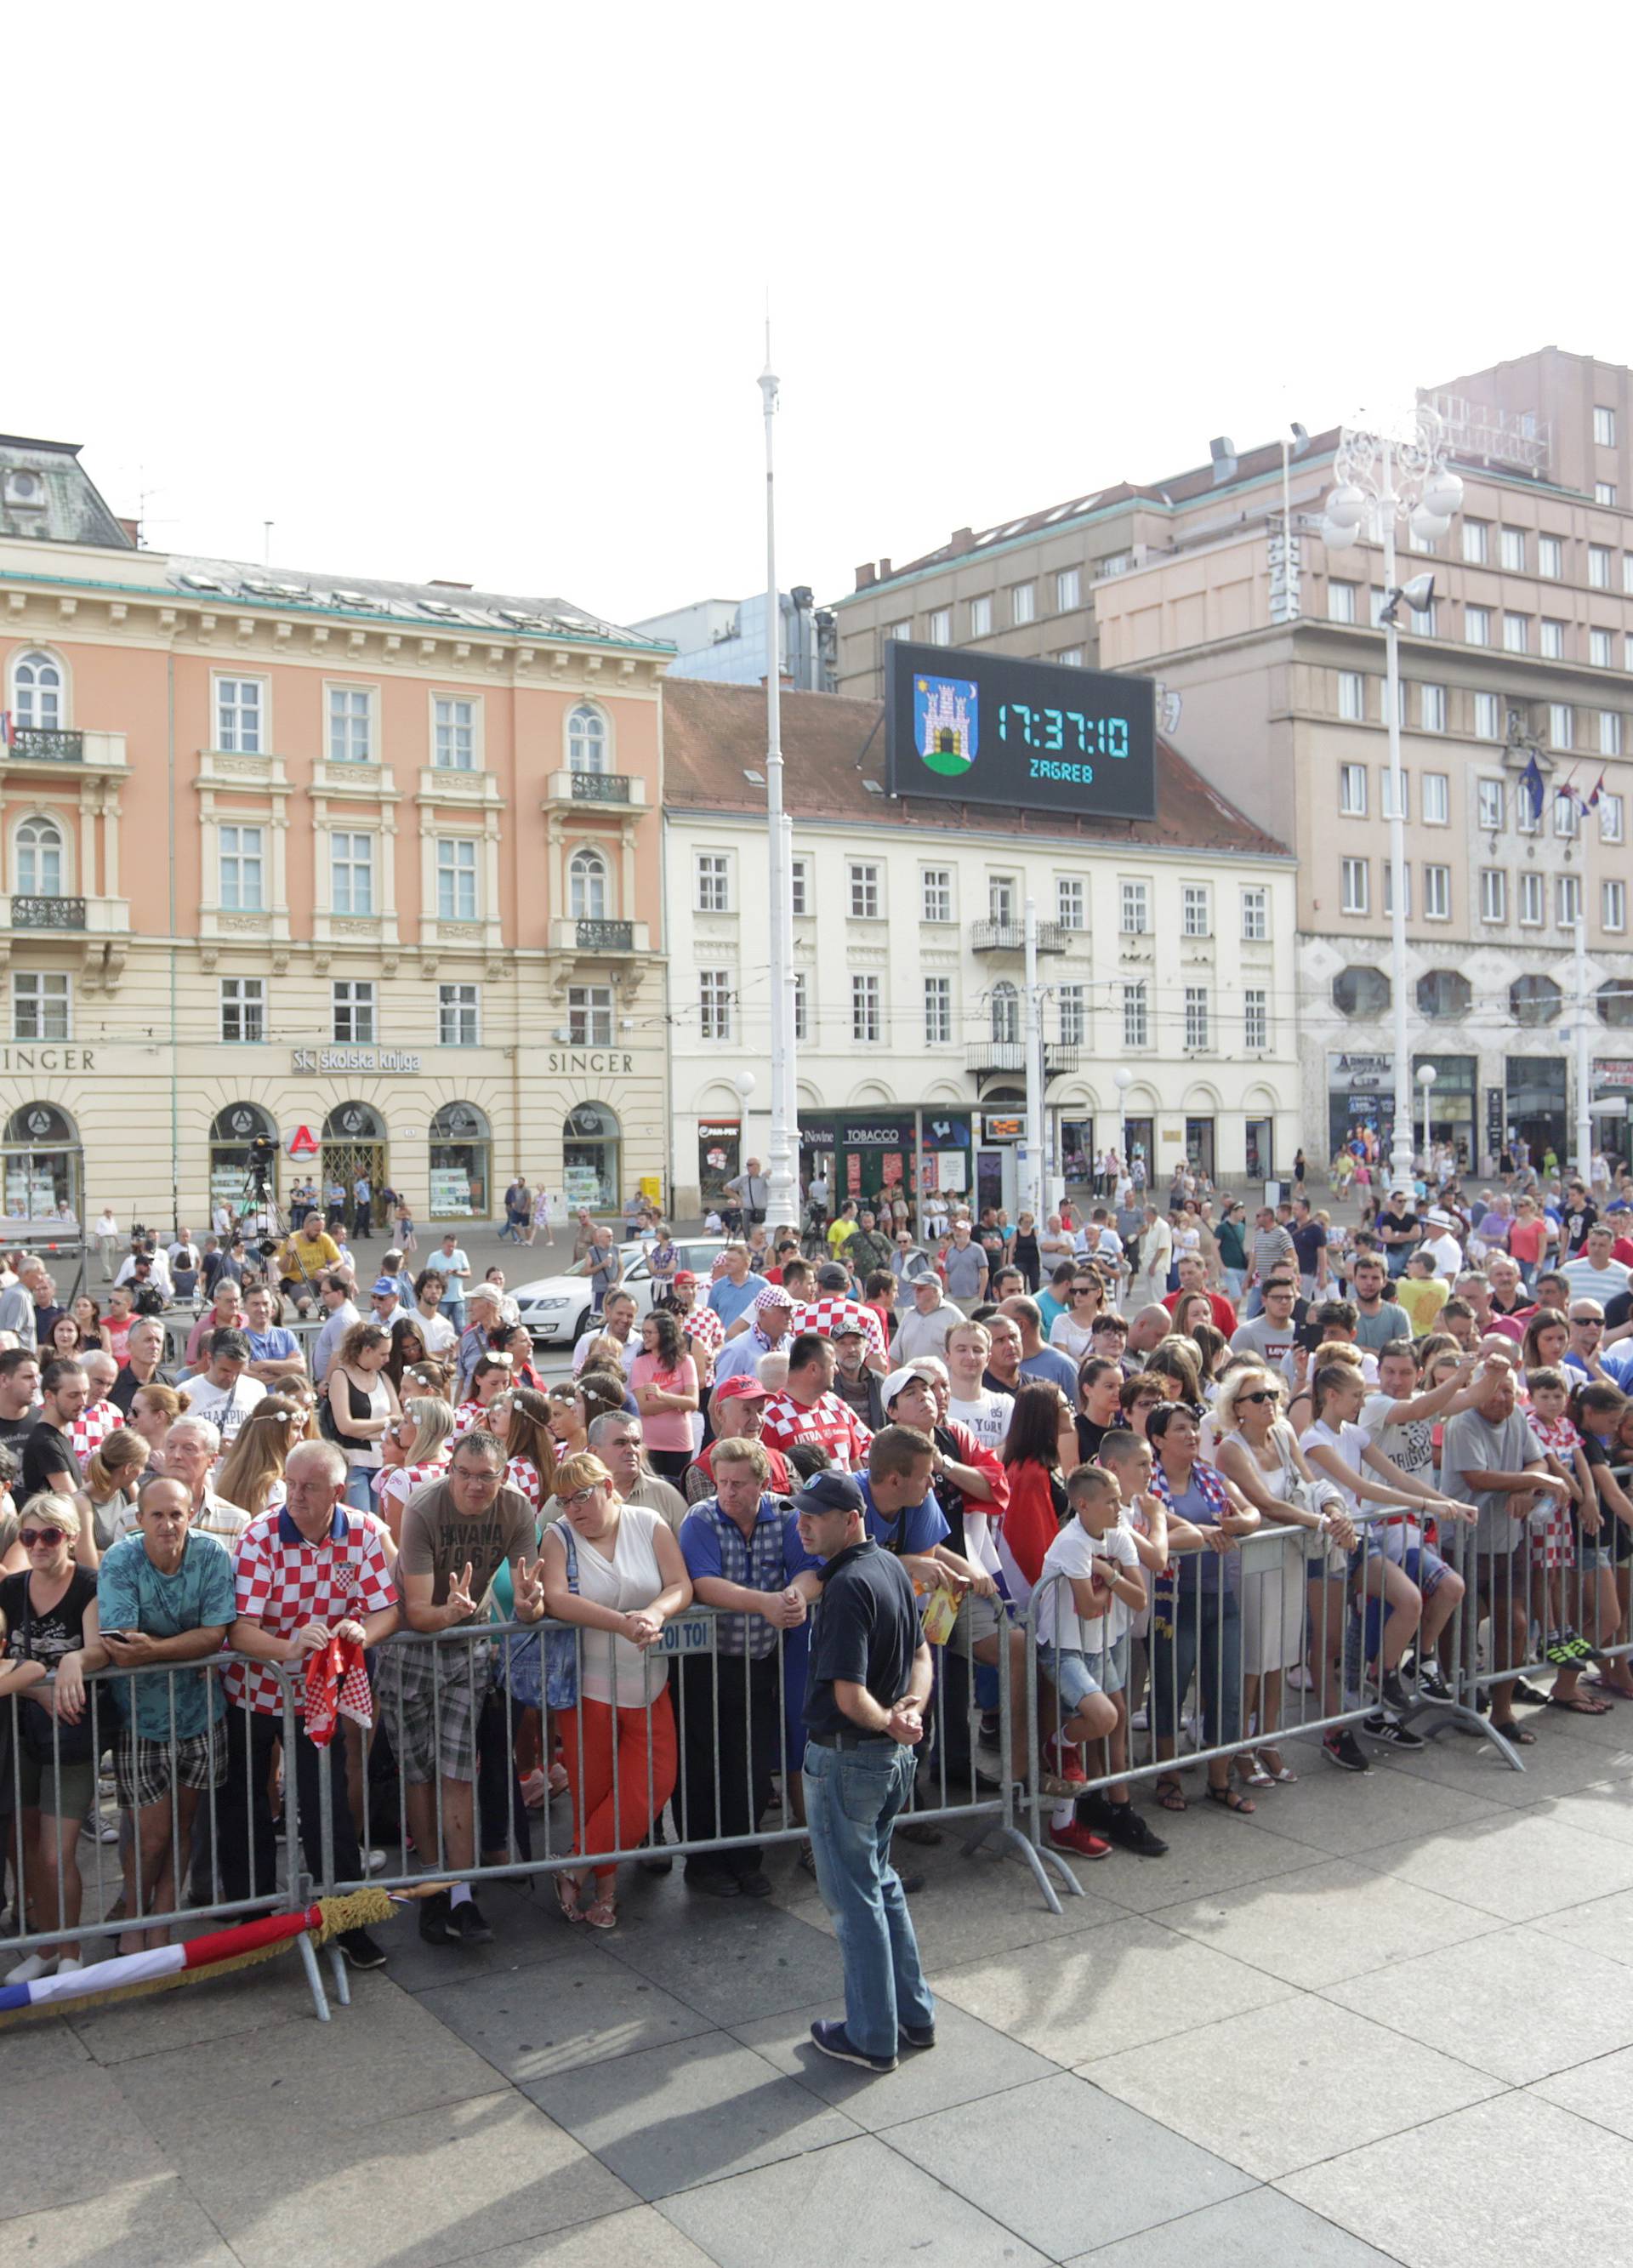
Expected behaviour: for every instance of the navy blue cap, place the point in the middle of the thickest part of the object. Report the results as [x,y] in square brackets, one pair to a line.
[831,1492]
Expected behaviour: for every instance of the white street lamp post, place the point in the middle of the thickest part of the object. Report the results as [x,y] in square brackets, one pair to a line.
[1384,477]
[1122,1079]
[1426,1078]
[782,1148]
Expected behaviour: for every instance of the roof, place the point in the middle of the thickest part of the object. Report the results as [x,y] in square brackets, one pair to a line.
[714,735]
[47,494]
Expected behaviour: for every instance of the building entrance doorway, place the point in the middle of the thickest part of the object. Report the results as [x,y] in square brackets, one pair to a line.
[354,1143]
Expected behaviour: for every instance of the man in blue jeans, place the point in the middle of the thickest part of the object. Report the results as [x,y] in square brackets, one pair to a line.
[867,1688]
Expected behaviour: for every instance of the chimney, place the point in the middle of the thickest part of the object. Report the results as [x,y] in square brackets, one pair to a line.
[132,527]
[1222,449]
[867,575]
[961,541]
[442,582]
[884,570]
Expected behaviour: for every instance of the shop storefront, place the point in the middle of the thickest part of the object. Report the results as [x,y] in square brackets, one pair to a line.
[1453,1104]
[719,1156]
[1360,1097]
[923,1155]
[461,1163]
[44,1171]
[1536,1090]
[231,1133]
[590,1146]
[355,1144]
[1613,1084]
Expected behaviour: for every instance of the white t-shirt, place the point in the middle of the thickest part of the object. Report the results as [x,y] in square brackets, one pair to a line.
[626,1581]
[1447,1254]
[1073,1552]
[227,1407]
[1351,1443]
[988,1417]
[437,1331]
[1073,1339]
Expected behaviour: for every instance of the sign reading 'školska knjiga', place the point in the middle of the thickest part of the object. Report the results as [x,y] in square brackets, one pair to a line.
[968,727]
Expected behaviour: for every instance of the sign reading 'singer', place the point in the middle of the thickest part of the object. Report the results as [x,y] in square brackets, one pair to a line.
[967,727]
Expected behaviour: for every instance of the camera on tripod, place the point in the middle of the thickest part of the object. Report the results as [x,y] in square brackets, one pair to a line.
[258,1162]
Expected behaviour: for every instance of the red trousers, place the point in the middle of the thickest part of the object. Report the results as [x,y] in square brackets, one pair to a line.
[646,1772]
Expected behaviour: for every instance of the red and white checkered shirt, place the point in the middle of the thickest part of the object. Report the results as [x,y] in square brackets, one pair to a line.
[522,1474]
[397,1484]
[834,1313]
[703,1325]
[828,1420]
[88,1431]
[283,1582]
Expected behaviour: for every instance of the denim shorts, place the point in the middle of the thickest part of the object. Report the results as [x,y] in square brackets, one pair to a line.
[1592,1553]
[1068,1671]
[1420,1561]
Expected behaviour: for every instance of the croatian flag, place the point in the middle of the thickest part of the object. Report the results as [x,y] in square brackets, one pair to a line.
[158,1961]
[8,729]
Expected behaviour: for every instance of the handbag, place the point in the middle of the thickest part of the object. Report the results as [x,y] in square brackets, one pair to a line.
[546,1675]
[45,1737]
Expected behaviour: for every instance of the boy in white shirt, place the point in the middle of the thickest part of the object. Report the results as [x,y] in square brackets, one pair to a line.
[1088,1589]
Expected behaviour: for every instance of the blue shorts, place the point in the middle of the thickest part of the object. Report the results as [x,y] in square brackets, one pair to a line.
[1592,1553]
[1068,1672]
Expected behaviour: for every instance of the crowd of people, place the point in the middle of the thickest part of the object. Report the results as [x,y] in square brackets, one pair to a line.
[1181,1470]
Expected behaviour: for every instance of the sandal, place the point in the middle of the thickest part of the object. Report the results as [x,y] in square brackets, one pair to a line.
[1512,1729]
[1578,1704]
[1231,1801]
[600,1913]
[1169,1794]
[1276,1774]
[566,1889]
[1250,1771]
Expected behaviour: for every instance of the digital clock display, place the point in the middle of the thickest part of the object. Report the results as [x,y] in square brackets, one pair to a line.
[990,728]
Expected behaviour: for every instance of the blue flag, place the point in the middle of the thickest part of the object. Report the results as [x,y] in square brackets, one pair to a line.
[1530,781]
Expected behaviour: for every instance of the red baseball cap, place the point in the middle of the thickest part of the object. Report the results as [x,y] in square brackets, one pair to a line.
[741,1389]
[685,1276]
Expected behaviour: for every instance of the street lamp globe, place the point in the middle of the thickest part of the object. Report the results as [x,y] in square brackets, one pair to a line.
[1426,1076]
[1443,492]
[1346,507]
[1122,1078]
[1338,537]
[744,1083]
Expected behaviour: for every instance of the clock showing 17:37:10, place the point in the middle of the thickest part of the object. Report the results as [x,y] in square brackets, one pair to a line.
[1021,725]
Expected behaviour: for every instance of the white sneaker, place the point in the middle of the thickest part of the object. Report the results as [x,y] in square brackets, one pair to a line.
[374,1862]
[108,1831]
[70,1968]
[32,1969]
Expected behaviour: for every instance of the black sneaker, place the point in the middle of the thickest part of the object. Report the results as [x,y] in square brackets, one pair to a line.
[1432,1687]
[360,1949]
[434,1913]
[1391,1731]
[834,2040]
[713,1879]
[1344,1750]
[915,2036]
[467,1926]
[754,1884]
[1393,1694]
[1129,1830]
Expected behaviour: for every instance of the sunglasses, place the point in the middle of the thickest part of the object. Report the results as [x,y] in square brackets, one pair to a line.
[30,1536]
[1258,1397]
[1084,1291]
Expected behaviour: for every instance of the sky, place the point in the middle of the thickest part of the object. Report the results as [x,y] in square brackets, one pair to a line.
[482,294]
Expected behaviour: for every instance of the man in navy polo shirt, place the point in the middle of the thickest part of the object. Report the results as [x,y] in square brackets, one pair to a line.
[864,1714]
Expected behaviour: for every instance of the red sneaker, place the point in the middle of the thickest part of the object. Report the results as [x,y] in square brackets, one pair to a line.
[1064,1761]
[1078,1839]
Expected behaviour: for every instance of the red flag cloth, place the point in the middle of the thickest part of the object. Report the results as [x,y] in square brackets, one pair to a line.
[337,1685]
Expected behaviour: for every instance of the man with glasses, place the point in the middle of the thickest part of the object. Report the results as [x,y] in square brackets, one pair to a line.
[1194,1277]
[1588,1355]
[457,1534]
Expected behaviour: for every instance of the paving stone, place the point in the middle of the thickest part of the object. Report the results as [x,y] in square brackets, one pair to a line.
[970,2061]
[69,2135]
[534,2023]
[148,2224]
[1259,2229]
[1516,1865]
[1327,1922]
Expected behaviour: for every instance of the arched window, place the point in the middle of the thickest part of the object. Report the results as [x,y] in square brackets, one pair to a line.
[39,858]
[37,692]
[586,882]
[232,1131]
[460,1140]
[1005,1013]
[588,741]
[42,1162]
[590,1153]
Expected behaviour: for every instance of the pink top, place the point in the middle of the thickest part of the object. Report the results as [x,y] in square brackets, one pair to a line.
[667,1428]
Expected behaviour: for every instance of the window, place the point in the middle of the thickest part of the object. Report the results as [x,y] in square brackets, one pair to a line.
[1388,866]
[936,886]
[1514,633]
[1135,1022]
[1534,1000]
[1437,893]
[1612,905]
[864,1020]
[713,1002]
[1567,900]
[351,867]
[937,1011]
[1023,604]
[1443,993]
[1491,806]
[1437,791]
[1255,916]
[1512,549]
[1358,894]
[1196,1016]
[1605,428]
[1071,656]
[590,1015]
[244,1009]
[1552,644]
[980,616]
[39,858]
[1615,1003]
[1068,591]
[1341,603]
[1351,696]
[898,629]
[456,881]
[1195,910]
[1361,992]
[940,627]
[1561,730]
[1003,1015]
[1475,542]
[1476,626]
[458,1017]
[239,708]
[1136,908]
[587,739]
[1599,649]
[1431,708]
[1386,801]
[1074,1015]
[1531,900]
[1001,899]
[1255,1017]
[243,868]
[863,892]
[1070,902]
[1604,493]
[40,1000]
[1493,895]
[453,735]
[1528,814]
[1488,718]
[1564,813]
[353,1008]
[802,1006]
[1352,791]
[350,735]
[1627,573]
[1599,566]
[1550,558]
[37,693]
[586,885]
[799,886]
[1610,817]
[714,882]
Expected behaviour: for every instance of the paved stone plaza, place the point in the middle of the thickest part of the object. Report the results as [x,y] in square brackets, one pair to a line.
[1385,2019]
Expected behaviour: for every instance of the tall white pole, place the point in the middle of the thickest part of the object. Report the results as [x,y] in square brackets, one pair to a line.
[1037,1179]
[782,1160]
[1584,1052]
[1401,1174]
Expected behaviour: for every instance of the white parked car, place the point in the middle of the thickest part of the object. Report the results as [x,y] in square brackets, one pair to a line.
[555,1308]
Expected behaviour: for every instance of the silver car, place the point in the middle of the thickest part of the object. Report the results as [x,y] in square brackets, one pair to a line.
[556,1309]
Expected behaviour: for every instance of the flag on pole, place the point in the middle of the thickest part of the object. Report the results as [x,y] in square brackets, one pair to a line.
[8,729]
[1599,789]
[1531,782]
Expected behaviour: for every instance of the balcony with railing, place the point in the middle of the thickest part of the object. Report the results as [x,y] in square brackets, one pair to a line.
[599,938]
[1011,937]
[620,791]
[987,1059]
[56,745]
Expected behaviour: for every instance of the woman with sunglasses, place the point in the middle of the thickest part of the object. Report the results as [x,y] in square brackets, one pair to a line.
[1260,1452]
[1073,1333]
[48,1630]
[1196,1625]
